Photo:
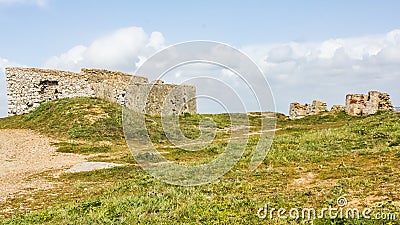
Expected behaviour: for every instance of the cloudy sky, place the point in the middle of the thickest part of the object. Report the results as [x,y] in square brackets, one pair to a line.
[306,49]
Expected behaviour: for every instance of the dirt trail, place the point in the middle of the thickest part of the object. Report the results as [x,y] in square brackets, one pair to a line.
[24,153]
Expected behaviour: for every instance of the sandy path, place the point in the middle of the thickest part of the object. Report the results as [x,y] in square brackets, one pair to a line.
[24,153]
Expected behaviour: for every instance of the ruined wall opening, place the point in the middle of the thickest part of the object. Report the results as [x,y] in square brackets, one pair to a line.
[48,87]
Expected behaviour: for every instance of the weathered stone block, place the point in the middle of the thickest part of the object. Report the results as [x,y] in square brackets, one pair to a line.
[374,101]
[163,99]
[316,107]
[338,108]
[298,111]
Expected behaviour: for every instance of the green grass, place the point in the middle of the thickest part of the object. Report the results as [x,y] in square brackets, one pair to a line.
[88,119]
[312,162]
[66,147]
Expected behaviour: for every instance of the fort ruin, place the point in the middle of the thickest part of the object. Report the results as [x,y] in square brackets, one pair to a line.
[374,101]
[298,110]
[27,88]
[356,105]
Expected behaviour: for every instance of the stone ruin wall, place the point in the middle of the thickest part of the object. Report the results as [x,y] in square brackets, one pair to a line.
[374,101]
[111,85]
[298,110]
[177,99]
[29,87]
[338,108]
[356,105]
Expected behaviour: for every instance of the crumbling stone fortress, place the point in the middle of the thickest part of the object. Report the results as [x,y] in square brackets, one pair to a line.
[298,110]
[29,87]
[356,105]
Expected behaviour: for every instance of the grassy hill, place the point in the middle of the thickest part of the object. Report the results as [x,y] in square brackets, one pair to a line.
[313,161]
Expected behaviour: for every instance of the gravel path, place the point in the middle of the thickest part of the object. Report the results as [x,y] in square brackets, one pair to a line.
[24,153]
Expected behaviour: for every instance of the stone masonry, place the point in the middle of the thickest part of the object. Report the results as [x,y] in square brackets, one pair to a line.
[356,105]
[316,107]
[166,99]
[374,101]
[298,110]
[29,87]
[338,108]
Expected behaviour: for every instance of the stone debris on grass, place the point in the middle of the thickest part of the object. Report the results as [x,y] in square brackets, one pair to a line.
[91,166]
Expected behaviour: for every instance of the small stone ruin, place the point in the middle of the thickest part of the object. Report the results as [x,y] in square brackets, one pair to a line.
[374,101]
[298,110]
[356,105]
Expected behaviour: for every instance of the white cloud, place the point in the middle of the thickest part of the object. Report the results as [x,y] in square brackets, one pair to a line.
[124,49]
[40,3]
[280,54]
[156,41]
[330,69]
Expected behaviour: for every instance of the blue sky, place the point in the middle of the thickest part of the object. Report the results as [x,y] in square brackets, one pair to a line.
[307,49]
